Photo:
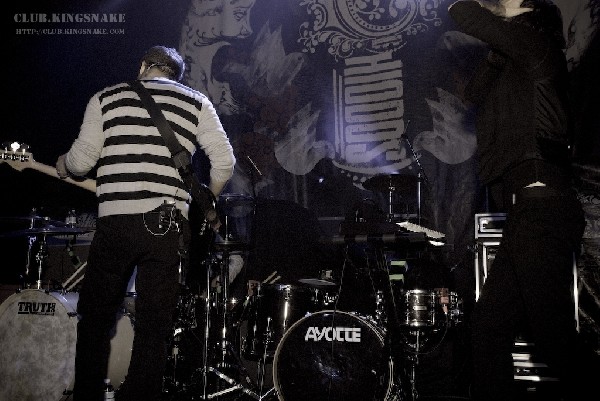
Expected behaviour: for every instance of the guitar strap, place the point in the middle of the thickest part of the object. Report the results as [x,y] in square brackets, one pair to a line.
[180,156]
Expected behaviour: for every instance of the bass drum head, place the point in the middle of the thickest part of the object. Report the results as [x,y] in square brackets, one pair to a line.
[332,356]
[38,333]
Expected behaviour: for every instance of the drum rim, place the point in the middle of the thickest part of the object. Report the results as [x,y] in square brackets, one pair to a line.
[281,286]
[378,331]
[58,295]
[420,291]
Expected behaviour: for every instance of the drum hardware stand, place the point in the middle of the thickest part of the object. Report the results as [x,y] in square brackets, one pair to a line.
[40,258]
[386,316]
[221,297]
[185,321]
[262,363]
[413,360]
[413,357]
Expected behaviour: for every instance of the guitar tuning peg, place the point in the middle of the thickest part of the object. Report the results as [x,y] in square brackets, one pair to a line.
[23,147]
[14,146]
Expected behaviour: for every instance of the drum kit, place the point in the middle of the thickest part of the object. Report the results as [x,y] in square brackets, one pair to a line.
[278,341]
[292,341]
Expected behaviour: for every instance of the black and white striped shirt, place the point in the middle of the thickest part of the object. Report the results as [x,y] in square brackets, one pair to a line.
[135,171]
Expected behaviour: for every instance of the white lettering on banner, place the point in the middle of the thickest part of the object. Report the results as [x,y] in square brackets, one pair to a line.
[368,89]
[370,112]
[67,17]
[341,334]
[373,92]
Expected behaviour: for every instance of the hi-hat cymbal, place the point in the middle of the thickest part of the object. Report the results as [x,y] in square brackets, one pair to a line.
[392,183]
[46,230]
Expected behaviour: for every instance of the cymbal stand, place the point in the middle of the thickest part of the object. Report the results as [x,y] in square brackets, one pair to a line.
[40,257]
[422,176]
[414,362]
[391,190]
[30,241]
[417,346]
[263,361]
[220,295]
[387,317]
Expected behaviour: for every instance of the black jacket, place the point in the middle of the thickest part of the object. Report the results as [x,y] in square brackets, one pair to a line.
[520,91]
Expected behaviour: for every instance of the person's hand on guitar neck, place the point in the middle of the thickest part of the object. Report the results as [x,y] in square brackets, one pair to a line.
[61,167]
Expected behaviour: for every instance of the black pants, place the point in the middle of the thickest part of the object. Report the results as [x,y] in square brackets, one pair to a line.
[530,283]
[120,244]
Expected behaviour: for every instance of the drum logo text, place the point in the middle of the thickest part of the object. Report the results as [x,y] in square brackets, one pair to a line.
[37,308]
[342,334]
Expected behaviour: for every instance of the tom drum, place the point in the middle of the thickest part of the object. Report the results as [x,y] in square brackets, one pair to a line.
[273,309]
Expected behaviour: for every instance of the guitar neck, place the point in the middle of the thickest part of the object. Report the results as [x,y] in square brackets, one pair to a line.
[87,183]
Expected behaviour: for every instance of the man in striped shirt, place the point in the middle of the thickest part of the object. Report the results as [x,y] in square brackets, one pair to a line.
[142,215]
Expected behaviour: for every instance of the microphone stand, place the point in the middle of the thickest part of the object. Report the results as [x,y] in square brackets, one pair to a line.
[252,176]
[421,174]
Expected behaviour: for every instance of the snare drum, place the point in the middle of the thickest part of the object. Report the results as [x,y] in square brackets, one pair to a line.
[333,356]
[430,309]
[38,335]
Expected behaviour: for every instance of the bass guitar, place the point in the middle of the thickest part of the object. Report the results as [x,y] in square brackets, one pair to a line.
[17,156]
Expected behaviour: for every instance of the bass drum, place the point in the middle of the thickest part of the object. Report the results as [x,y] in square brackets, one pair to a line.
[38,335]
[332,356]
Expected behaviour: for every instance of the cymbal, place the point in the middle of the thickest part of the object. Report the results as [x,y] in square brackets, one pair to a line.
[236,205]
[392,182]
[231,197]
[34,218]
[46,230]
[316,282]
[225,245]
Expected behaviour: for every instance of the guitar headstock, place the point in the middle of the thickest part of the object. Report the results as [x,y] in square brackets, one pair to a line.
[16,155]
